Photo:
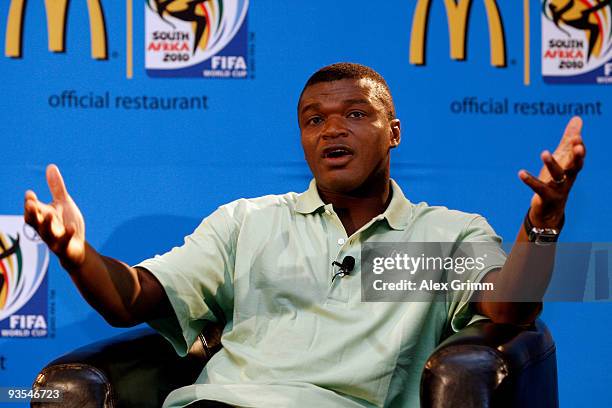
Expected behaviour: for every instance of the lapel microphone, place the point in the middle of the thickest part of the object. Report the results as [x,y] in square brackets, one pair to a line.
[346,267]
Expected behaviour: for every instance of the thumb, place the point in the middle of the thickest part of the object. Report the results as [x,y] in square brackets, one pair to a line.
[56,183]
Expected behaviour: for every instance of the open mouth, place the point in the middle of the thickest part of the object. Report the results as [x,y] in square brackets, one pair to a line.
[336,152]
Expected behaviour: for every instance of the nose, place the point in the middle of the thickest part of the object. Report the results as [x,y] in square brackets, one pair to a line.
[334,127]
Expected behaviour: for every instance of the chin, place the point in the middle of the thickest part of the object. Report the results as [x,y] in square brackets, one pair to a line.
[339,184]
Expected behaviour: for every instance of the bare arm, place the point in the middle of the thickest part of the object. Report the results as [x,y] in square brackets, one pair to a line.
[528,269]
[124,296]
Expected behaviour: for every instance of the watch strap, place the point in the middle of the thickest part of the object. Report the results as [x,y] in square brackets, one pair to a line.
[529,225]
[539,235]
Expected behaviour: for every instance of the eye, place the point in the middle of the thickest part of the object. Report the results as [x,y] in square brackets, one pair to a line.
[356,114]
[315,120]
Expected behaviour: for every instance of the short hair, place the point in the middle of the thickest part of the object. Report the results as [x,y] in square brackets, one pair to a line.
[350,70]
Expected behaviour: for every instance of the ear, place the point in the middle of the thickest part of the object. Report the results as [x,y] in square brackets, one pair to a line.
[394,133]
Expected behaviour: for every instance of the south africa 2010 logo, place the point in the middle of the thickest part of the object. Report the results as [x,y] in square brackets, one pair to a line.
[24,260]
[577,41]
[196,38]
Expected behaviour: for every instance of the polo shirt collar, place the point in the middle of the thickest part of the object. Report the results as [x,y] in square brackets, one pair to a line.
[397,214]
[399,211]
[309,201]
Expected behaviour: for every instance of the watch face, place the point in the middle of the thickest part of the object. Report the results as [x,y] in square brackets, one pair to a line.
[543,236]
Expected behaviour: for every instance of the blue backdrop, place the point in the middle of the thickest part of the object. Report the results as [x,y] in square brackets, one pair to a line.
[144,178]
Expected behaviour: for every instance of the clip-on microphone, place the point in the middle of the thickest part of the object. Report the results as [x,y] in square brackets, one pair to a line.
[347,265]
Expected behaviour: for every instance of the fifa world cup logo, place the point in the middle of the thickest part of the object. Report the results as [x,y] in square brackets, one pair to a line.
[590,16]
[7,251]
[202,14]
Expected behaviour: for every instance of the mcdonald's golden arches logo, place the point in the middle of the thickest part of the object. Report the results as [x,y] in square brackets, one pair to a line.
[457,13]
[56,11]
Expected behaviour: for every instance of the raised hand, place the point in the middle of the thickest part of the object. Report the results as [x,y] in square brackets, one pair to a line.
[556,178]
[59,223]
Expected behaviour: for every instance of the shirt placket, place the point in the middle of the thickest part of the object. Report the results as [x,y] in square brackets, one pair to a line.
[338,291]
[339,246]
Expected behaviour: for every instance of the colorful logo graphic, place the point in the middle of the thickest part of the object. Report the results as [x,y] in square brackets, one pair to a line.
[56,27]
[457,13]
[196,38]
[24,259]
[577,41]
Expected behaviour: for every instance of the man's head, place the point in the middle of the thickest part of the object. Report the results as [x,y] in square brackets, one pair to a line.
[348,126]
[349,70]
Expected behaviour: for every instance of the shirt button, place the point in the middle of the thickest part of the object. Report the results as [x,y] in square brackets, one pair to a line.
[341,241]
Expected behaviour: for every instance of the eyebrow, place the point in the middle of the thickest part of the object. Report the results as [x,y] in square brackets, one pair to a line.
[313,105]
[357,101]
[317,105]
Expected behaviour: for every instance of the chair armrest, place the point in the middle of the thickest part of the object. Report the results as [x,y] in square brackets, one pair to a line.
[137,368]
[492,365]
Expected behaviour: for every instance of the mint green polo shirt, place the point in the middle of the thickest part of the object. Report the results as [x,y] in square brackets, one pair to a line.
[292,338]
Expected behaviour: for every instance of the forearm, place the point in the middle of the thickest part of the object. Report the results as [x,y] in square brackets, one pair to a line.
[520,284]
[109,286]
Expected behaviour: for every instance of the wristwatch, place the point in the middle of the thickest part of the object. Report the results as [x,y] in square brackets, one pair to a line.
[541,236]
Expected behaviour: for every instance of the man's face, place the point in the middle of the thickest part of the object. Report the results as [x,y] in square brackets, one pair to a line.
[346,134]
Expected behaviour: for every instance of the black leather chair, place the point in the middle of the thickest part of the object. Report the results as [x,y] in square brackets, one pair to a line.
[484,365]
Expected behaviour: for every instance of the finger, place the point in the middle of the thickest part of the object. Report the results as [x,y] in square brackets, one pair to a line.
[579,151]
[51,230]
[31,213]
[553,167]
[30,195]
[56,183]
[35,211]
[42,209]
[64,240]
[540,188]
[573,128]
[578,142]
[45,230]
[575,155]
[577,139]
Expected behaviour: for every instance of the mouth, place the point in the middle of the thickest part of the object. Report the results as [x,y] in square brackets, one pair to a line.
[337,155]
[336,152]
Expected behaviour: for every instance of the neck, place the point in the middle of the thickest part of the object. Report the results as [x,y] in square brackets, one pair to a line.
[356,208]
[349,200]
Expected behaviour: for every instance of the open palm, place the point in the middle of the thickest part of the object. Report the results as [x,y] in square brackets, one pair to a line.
[557,176]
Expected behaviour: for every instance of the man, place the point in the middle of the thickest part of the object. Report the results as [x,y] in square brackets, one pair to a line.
[293,336]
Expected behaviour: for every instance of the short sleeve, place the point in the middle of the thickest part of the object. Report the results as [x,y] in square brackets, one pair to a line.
[479,241]
[198,280]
